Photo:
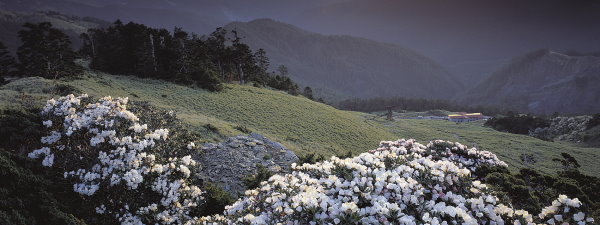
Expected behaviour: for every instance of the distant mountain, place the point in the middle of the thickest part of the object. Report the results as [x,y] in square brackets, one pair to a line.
[198,16]
[12,22]
[349,66]
[472,38]
[544,81]
[202,17]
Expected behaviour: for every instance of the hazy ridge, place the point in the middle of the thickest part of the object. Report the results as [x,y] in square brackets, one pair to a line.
[348,65]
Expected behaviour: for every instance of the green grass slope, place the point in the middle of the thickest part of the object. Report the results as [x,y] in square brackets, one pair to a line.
[300,124]
[509,147]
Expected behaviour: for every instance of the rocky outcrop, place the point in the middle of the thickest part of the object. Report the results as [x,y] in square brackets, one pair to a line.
[229,162]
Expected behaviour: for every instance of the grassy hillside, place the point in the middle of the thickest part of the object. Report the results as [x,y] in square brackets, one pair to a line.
[509,147]
[298,123]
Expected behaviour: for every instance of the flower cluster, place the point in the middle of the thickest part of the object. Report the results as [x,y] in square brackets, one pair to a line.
[460,154]
[402,182]
[112,158]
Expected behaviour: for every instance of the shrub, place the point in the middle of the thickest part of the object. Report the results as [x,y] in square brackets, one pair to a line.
[243,129]
[32,195]
[132,173]
[254,180]
[215,200]
[517,124]
[594,121]
[401,182]
[20,129]
[563,129]
[310,158]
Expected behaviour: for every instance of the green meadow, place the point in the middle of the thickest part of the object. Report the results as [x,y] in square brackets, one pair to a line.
[300,124]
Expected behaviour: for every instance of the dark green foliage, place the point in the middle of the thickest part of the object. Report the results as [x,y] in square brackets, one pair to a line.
[65,89]
[212,128]
[568,162]
[530,190]
[595,121]
[30,194]
[243,129]
[21,130]
[310,158]
[177,56]
[215,200]
[348,154]
[46,52]
[283,83]
[517,124]
[262,174]
[308,93]
[410,104]
[7,63]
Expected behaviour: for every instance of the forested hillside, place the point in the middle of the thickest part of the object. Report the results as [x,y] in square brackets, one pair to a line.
[347,65]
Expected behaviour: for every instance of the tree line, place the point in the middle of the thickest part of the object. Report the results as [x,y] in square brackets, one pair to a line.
[45,51]
[135,49]
[410,104]
[180,56]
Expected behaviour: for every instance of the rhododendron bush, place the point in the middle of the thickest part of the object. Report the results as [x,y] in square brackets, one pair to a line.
[402,182]
[119,163]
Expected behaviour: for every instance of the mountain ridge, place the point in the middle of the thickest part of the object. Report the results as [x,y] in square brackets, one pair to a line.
[543,81]
[346,64]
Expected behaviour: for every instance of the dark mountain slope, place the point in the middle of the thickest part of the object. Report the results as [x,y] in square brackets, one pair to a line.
[11,22]
[544,81]
[348,65]
[472,38]
[200,16]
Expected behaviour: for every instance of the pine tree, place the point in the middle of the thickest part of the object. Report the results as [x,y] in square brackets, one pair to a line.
[218,50]
[308,93]
[45,52]
[7,62]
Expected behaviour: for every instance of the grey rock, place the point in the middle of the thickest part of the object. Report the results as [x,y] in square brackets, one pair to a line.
[229,162]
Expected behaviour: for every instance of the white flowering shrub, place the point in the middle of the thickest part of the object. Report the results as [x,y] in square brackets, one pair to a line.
[569,129]
[460,154]
[402,182]
[120,164]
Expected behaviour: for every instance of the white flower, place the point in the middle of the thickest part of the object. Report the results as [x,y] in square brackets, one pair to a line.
[47,123]
[191,146]
[122,155]
[578,216]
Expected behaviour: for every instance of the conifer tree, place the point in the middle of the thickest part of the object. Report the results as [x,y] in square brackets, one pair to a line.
[7,62]
[308,93]
[45,52]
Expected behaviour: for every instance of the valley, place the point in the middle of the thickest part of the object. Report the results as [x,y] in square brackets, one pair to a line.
[302,125]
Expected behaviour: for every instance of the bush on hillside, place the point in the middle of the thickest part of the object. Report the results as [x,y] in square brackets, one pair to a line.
[530,190]
[129,171]
[21,130]
[594,121]
[30,195]
[517,124]
[578,129]
[401,182]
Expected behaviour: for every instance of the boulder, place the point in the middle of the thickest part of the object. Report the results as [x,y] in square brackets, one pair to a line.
[226,164]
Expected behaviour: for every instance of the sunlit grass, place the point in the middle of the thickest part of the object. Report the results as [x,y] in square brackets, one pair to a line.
[300,124]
